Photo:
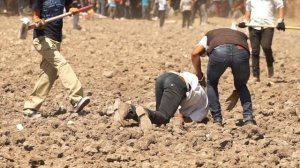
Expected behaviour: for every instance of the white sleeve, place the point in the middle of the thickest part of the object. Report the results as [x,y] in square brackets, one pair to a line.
[203,42]
[278,4]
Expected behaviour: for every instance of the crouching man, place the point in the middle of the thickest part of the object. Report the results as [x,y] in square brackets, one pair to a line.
[173,91]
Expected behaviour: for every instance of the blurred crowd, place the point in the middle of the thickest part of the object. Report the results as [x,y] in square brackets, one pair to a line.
[146,9]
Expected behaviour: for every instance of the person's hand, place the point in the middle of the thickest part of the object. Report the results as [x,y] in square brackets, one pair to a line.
[74,11]
[280,25]
[242,24]
[202,79]
[39,23]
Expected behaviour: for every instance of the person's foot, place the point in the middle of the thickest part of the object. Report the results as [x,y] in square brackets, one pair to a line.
[30,113]
[218,121]
[78,107]
[270,72]
[250,122]
[78,27]
[190,27]
[254,79]
[143,117]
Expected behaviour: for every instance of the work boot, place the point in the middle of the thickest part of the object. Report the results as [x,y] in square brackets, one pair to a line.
[78,107]
[125,111]
[31,113]
[270,72]
[143,118]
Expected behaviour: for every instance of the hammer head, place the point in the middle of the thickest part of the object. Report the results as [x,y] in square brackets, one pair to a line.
[24,28]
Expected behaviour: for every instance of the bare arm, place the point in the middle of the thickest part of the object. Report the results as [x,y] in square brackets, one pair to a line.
[247,15]
[198,50]
[281,13]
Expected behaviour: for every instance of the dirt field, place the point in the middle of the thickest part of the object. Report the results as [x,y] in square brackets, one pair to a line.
[117,59]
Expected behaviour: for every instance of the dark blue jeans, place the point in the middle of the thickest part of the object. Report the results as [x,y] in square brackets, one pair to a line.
[169,92]
[237,58]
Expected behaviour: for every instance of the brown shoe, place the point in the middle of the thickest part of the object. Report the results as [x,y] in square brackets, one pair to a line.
[143,118]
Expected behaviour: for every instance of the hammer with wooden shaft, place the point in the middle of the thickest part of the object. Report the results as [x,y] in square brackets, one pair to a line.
[272,26]
[27,26]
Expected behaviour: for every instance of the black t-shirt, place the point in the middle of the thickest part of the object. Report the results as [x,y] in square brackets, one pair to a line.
[48,9]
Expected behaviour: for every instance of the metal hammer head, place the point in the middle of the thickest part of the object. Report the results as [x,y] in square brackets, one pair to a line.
[24,28]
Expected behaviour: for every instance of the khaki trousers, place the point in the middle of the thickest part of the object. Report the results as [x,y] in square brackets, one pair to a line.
[53,66]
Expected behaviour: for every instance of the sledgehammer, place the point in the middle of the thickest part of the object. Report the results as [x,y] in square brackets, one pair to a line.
[27,26]
[271,26]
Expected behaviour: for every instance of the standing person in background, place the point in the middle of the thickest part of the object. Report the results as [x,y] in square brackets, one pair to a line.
[186,7]
[127,9]
[162,7]
[262,13]
[200,7]
[47,42]
[101,8]
[203,12]
[154,9]
[225,48]
[112,8]
[120,9]
[3,6]
[76,25]
[145,9]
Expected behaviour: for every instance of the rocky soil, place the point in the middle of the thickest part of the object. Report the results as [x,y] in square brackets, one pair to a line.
[118,60]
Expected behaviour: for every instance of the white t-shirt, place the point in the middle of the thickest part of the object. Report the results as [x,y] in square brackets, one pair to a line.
[195,105]
[162,5]
[263,11]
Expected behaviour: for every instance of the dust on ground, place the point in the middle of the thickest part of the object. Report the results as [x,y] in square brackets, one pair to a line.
[119,59]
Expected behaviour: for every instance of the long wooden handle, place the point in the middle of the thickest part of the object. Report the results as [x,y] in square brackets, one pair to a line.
[272,26]
[32,26]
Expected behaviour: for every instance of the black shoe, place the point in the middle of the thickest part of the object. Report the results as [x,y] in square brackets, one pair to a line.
[81,104]
[270,72]
[218,121]
[250,122]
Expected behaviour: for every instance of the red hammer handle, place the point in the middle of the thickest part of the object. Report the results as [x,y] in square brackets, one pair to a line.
[32,26]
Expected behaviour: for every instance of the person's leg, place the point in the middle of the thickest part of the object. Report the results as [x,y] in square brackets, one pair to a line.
[194,10]
[169,91]
[42,87]
[266,44]
[188,18]
[45,81]
[144,12]
[161,18]
[203,13]
[217,64]
[255,40]
[183,19]
[241,72]
[20,7]
[51,53]
[76,22]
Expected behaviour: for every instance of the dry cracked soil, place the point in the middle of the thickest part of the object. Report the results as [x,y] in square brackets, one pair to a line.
[118,60]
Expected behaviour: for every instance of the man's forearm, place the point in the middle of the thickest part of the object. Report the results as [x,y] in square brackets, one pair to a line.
[281,13]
